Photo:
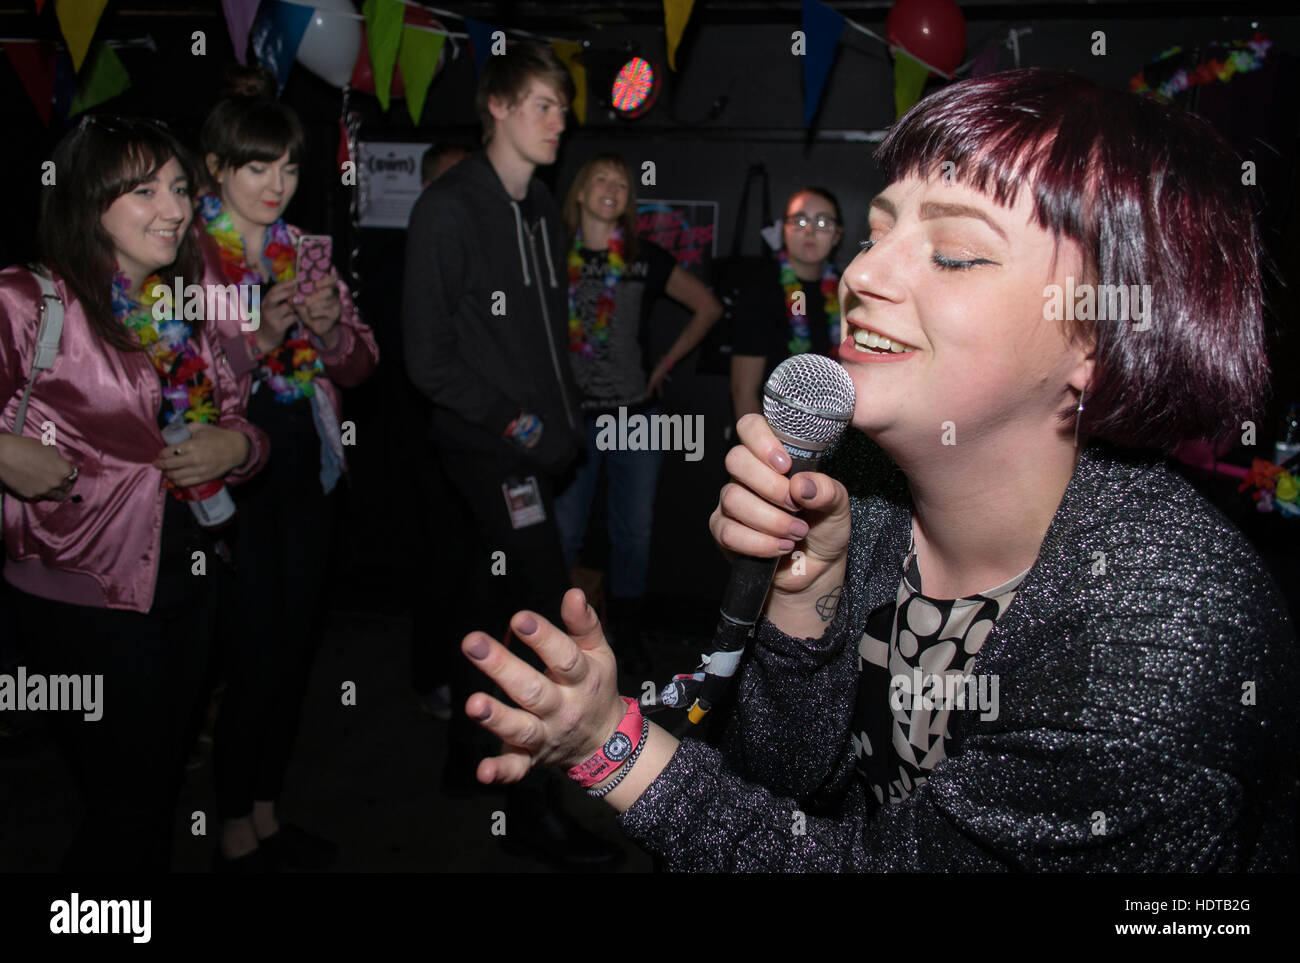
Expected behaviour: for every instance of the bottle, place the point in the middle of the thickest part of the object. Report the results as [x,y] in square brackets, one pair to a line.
[210,502]
[1288,435]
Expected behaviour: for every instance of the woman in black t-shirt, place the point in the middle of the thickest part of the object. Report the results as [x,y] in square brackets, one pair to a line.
[797,309]
[614,278]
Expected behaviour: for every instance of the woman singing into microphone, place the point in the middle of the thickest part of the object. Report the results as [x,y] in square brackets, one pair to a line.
[115,576]
[1128,661]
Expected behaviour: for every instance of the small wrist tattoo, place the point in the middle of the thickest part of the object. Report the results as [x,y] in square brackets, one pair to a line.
[829,603]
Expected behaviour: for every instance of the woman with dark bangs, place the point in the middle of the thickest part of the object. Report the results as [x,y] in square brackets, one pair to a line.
[290,368]
[1125,664]
[98,542]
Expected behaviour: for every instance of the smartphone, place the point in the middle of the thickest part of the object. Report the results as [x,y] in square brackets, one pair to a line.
[315,255]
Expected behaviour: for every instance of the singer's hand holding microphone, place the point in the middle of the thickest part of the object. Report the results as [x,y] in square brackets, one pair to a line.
[764,513]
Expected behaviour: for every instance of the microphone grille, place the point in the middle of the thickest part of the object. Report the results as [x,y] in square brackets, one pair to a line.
[809,400]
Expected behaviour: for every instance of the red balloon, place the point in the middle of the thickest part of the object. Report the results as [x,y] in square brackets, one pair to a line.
[932,31]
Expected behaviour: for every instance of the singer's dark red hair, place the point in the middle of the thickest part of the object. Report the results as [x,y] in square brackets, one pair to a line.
[1154,196]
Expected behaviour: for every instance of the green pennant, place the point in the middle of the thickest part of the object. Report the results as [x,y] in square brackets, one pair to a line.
[384,36]
[102,78]
[418,58]
[909,81]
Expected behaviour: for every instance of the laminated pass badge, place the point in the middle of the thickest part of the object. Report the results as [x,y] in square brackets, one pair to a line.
[524,501]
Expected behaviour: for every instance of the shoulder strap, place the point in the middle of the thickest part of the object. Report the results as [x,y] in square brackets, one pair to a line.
[48,334]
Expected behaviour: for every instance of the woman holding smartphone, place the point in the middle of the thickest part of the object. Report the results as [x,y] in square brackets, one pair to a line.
[291,366]
[104,555]
[1015,524]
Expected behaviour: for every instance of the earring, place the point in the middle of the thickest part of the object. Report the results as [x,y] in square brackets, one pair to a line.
[1078,414]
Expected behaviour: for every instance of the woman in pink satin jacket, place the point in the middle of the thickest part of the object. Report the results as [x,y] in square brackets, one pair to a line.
[116,597]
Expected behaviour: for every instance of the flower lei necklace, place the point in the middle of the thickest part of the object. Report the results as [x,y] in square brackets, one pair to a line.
[289,369]
[799,342]
[584,338]
[170,345]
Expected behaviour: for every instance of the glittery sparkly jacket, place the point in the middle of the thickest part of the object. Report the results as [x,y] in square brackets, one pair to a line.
[1144,724]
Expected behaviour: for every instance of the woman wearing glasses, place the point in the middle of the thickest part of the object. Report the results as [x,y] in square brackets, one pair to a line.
[115,576]
[797,309]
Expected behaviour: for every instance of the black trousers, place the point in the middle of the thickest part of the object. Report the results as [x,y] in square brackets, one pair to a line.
[271,627]
[530,572]
[129,764]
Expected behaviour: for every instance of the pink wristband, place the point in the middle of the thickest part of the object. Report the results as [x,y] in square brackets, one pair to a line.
[616,750]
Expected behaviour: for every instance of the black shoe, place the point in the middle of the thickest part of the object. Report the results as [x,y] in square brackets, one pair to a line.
[250,864]
[290,847]
[556,838]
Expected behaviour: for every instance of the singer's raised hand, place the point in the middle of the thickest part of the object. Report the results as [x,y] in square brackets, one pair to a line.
[763,513]
[564,715]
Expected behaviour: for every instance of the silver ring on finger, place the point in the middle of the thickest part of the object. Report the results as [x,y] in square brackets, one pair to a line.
[72,475]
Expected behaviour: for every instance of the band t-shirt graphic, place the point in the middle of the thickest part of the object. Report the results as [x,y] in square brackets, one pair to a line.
[913,639]
[617,371]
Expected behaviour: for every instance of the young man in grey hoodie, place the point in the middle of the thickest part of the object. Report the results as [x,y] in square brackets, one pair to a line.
[485,326]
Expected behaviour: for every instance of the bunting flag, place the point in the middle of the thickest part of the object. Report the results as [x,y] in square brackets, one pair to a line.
[34,65]
[78,20]
[383,38]
[480,38]
[570,54]
[909,80]
[276,33]
[65,83]
[40,6]
[239,21]
[676,15]
[418,61]
[103,79]
[822,27]
[986,63]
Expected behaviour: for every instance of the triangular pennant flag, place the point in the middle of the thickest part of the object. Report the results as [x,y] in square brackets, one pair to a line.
[418,59]
[78,20]
[34,64]
[909,80]
[987,61]
[239,20]
[570,54]
[40,5]
[480,38]
[103,79]
[384,36]
[65,83]
[676,15]
[822,27]
[277,31]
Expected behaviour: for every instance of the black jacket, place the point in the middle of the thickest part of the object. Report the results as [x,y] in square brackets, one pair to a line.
[1146,715]
[485,315]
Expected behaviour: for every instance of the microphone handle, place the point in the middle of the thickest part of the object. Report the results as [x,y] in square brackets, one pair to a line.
[743,600]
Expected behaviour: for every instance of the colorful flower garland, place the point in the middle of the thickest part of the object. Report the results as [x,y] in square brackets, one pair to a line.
[584,338]
[799,342]
[289,369]
[171,347]
[1240,57]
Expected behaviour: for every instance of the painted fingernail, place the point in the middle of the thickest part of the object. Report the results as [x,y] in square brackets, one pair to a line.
[780,460]
[786,544]
[485,714]
[479,649]
[527,625]
[798,528]
[809,488]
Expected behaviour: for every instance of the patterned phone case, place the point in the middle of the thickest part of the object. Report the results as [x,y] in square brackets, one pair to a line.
[313,268]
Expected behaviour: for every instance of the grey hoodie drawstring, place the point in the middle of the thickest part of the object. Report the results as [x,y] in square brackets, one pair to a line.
[550,266]
[519,236]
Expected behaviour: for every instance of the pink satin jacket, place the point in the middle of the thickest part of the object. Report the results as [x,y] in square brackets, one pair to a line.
[103,404]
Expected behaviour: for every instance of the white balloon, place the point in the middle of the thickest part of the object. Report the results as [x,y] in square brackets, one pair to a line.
[330,43]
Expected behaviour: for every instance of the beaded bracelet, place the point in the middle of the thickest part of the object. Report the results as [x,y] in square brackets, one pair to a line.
[627,766]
